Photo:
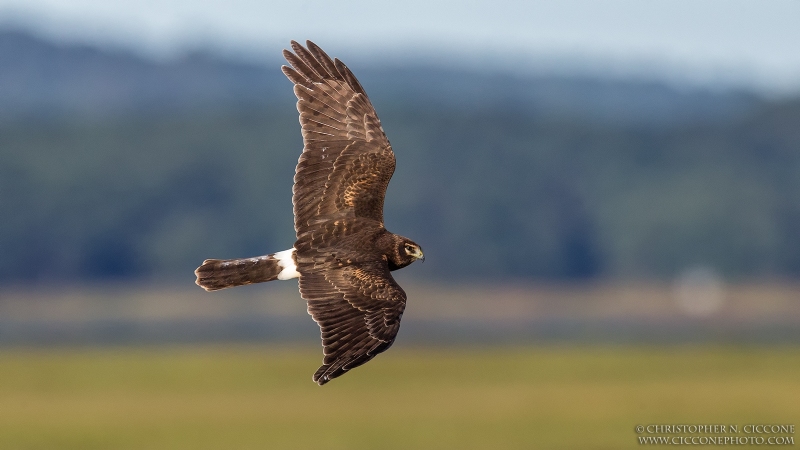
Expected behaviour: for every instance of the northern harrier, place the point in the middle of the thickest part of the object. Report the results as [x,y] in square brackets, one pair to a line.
[343,255]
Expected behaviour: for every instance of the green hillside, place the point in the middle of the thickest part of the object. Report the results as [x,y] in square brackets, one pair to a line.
[113,167]
[525,195]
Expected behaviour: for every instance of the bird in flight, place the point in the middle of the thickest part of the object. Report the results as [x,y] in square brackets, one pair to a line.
[343,255]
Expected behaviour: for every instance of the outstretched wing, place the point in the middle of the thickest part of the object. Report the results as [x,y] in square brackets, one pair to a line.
[358,308]
[347,161]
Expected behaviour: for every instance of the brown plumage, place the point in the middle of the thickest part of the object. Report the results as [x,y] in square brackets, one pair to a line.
[343,255]
[217,274]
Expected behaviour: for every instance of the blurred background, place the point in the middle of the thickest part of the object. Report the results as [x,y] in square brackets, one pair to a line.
[607,193]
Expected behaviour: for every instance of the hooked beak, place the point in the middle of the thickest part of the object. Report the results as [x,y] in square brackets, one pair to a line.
[418,254]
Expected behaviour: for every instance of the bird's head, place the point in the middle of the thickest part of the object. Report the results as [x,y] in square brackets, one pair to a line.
[406,252]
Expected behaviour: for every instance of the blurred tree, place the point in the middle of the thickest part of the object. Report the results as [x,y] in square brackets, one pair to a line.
[520,178]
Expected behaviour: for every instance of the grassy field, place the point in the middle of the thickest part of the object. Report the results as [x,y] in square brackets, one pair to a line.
[242,397]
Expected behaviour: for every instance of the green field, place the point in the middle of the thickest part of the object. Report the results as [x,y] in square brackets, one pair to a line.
[262,397]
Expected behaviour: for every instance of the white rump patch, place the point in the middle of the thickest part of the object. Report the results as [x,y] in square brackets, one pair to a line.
[286,261]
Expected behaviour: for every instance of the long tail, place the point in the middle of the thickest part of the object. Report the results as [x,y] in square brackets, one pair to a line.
[215,274]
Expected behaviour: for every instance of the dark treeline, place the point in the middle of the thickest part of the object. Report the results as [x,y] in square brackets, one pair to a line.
[498,176]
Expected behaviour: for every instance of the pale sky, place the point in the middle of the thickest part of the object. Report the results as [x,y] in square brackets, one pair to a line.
[750,42]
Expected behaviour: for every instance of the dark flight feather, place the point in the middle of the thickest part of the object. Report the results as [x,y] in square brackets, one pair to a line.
[338,195]
[216,274]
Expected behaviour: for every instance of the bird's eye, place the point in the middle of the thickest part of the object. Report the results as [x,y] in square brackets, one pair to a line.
[409,249]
